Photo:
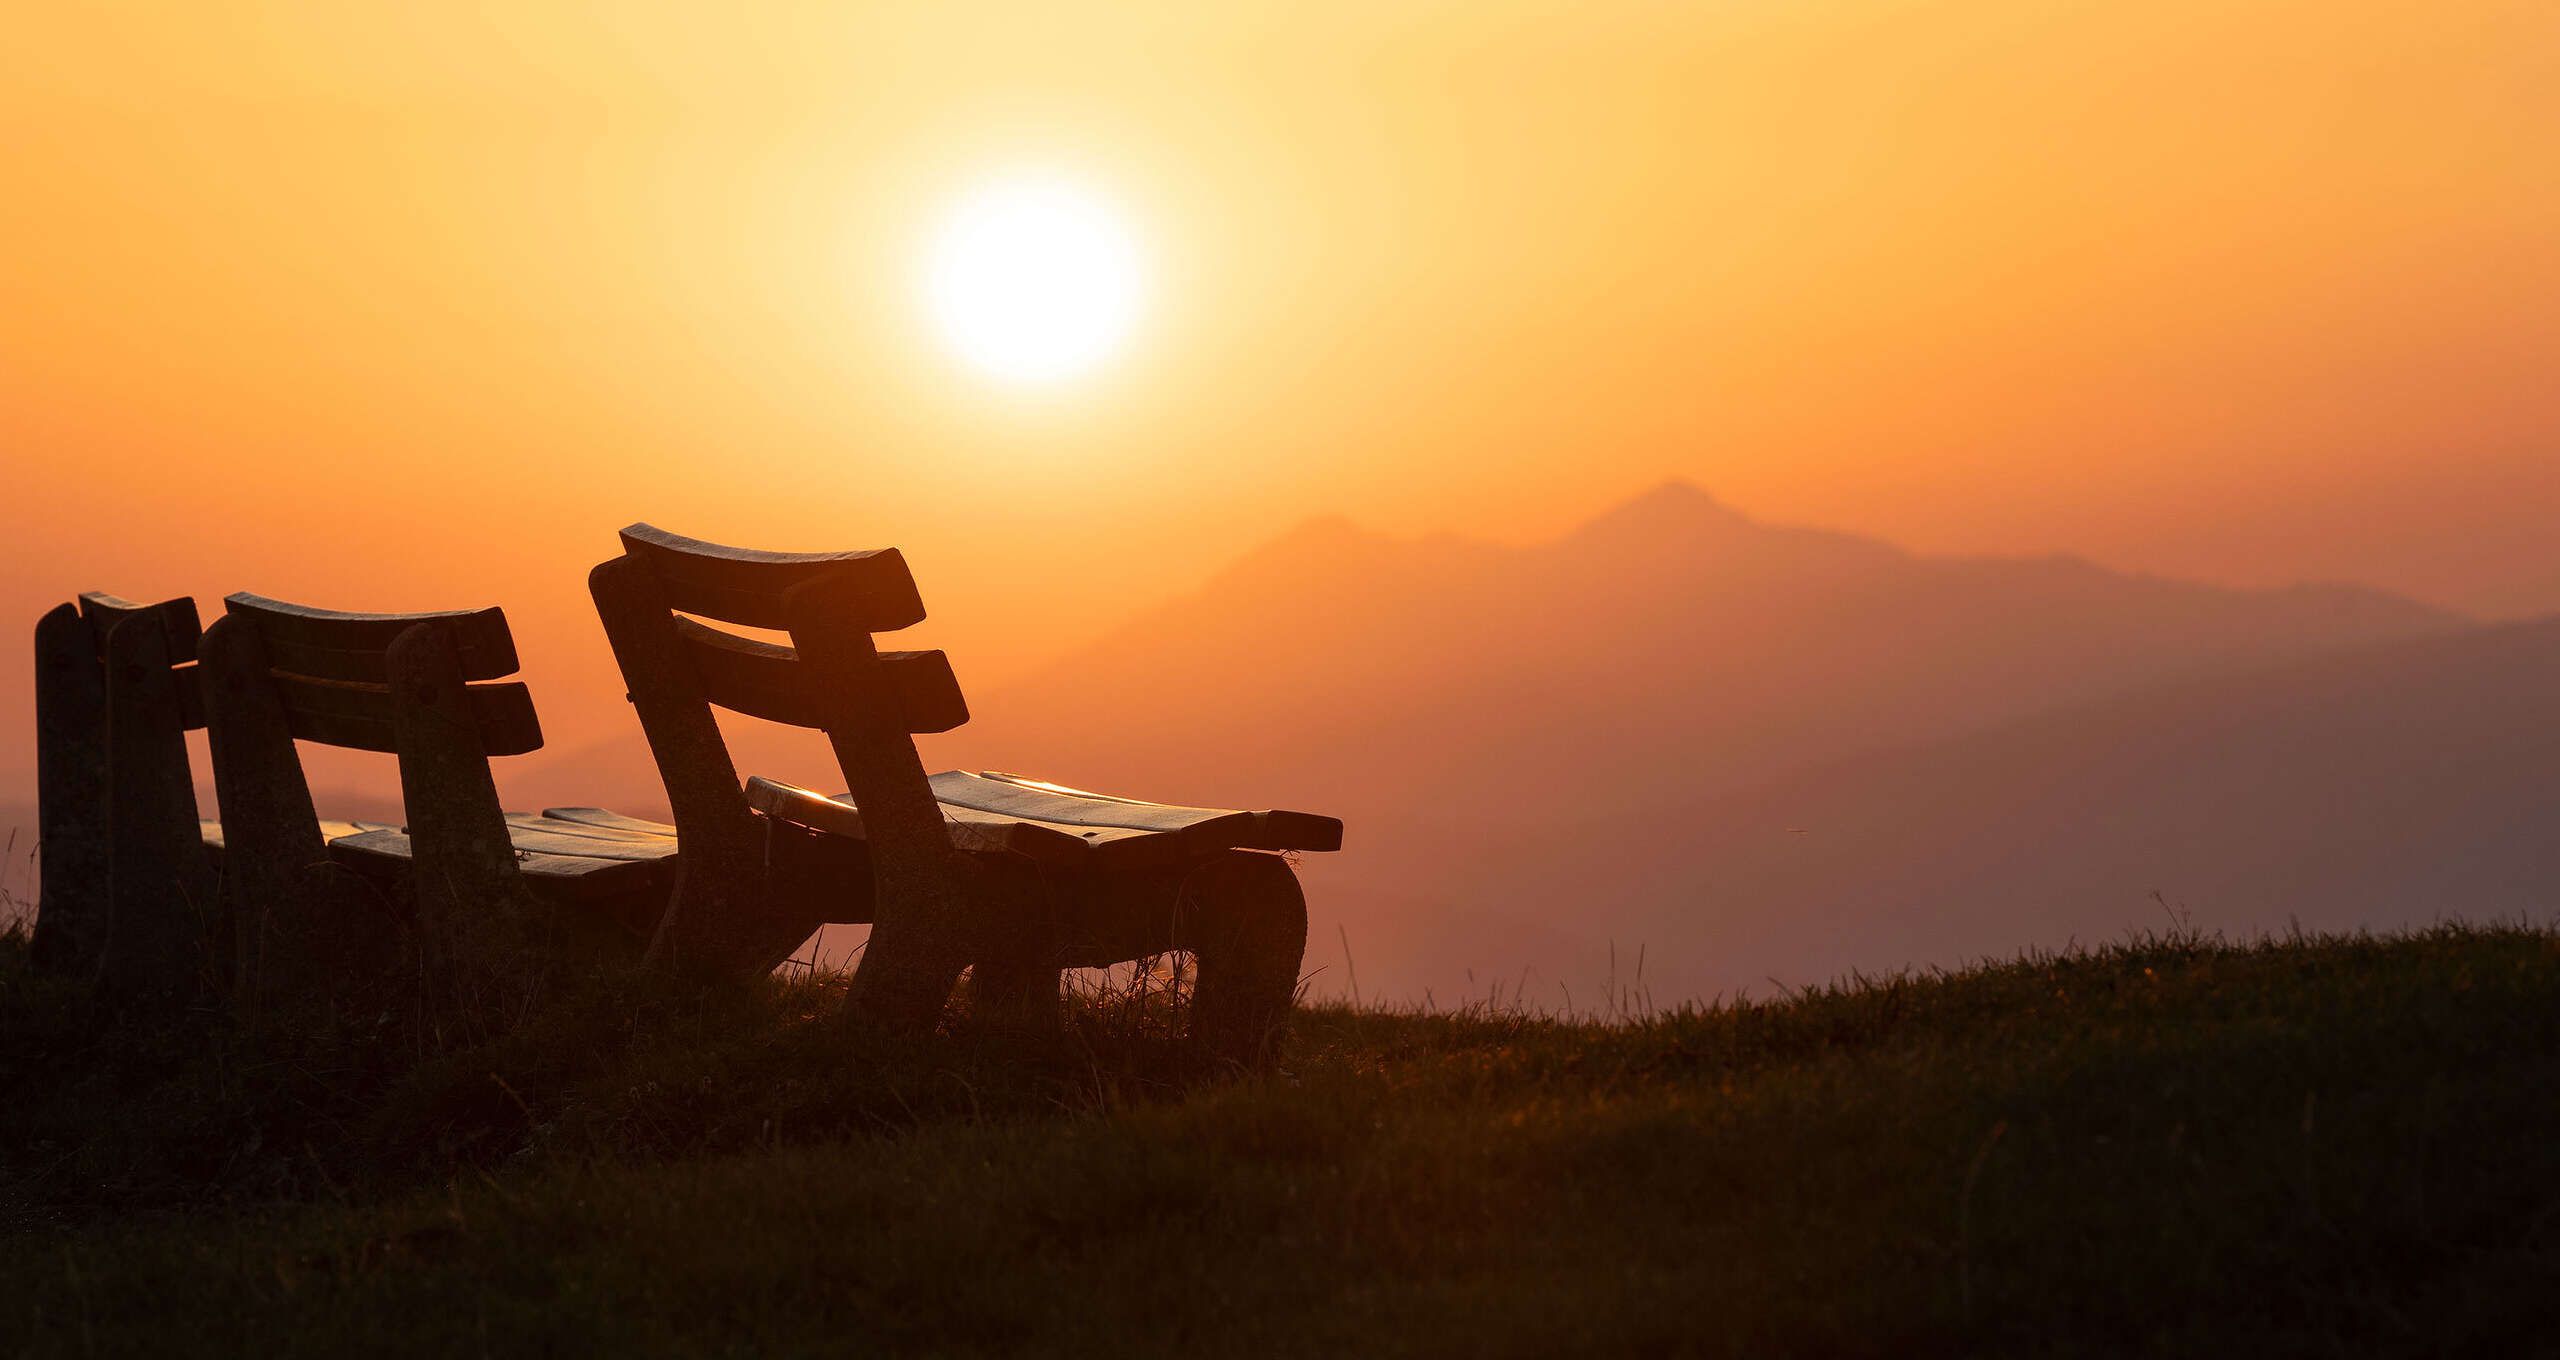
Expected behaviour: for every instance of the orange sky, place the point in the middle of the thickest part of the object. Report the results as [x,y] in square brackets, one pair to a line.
[410,306]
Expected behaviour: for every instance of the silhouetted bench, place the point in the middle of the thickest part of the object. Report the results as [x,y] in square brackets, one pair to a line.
[430,689]
[1013,877]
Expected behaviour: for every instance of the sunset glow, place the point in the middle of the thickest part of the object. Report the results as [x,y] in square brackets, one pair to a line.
[1229,376]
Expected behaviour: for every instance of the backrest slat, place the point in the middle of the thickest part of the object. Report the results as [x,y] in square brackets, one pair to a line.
[330,645]
[189,681]
[743,675]
[330,670]
[359,717]
[764,680]
[746,586]
[927,690]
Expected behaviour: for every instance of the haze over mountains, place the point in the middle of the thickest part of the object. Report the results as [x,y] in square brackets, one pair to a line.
[1762,751]
[1670,648]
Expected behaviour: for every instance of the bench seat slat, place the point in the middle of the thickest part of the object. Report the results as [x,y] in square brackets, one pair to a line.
[531,842]
[607,821]
[211,831]
[972,831]
[538,837]
[580,877]
[554,826]
[1180,834]
[528,839]
[1014,795]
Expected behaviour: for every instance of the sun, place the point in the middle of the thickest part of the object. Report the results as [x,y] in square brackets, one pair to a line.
[1034,278]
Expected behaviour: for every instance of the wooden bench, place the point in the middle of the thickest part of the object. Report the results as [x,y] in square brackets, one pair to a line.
[125,881]
[430,689]
[1012,877]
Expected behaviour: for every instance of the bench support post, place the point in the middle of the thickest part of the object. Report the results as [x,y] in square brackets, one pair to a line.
[730,914]
[277,879]
[932,907]
[72,907]
[465,863]
[159,879]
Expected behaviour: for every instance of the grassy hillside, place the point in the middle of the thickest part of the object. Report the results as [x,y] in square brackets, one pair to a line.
[2298,1147]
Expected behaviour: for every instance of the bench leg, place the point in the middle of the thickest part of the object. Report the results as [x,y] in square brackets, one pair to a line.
[933,910]
[1018,990]
[1243,918]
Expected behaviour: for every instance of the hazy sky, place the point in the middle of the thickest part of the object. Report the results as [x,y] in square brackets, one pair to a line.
[406,306]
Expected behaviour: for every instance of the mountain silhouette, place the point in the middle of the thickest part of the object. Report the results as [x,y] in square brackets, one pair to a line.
[1670,648]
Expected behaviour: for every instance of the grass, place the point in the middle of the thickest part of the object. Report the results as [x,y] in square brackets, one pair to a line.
[2314,1146]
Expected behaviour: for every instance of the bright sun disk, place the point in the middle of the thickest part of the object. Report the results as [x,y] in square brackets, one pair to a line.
[1033,279]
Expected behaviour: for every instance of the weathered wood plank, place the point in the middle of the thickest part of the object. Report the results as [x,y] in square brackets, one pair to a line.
[607,821]
[552,826]
[1110,849]
[335,645]
[580,878]
[968,830]
[359,716]
[210,832]
[1038,800]
[534,840]
[766,680]
[747,585]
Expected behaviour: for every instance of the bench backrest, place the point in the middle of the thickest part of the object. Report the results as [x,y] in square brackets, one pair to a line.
[424,687]
[116,694]
[830,677]
[332,672]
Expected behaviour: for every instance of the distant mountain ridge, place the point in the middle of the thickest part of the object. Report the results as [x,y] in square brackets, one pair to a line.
[1671,624]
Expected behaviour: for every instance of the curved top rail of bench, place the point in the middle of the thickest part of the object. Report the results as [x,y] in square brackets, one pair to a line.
[747,585]
[330,644]
[177,616]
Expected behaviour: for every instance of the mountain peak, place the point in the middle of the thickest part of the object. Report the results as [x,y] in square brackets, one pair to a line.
[1667,508]
[1674,509]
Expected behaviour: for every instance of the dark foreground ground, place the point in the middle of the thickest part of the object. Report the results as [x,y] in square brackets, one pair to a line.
[2313,1147]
